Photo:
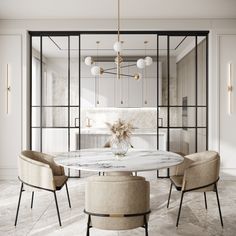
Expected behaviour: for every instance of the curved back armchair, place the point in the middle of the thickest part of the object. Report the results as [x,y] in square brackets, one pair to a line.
[199,172]
[39,171]
[117,202]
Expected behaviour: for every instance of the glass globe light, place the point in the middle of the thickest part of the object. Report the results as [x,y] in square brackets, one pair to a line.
[117,46]
[148,61]
[95,70]
[141,63]
[88,61]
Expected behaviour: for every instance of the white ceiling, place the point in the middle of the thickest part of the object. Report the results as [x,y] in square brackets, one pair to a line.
[130,9]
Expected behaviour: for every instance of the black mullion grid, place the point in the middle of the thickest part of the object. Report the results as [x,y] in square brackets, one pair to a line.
[196,94]
[158,92]
[41,93]
[62,106]
[68,94]
[168,98]
[164,33]
[54,127]
[30,82]
[207,101]
[79,84]
[181,127]
[183,106]
[161,127]
[79,60]
[86,32]
[168,93]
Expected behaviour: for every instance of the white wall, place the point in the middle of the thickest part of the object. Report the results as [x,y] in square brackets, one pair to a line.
[215,26]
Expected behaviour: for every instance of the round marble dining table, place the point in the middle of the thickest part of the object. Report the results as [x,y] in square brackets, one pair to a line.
[103,160]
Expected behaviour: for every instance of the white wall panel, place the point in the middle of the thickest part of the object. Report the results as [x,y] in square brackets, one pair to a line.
[10,123]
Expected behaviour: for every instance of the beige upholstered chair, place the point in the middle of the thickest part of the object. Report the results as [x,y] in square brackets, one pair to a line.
[117,202]
[39,171]
[199,172]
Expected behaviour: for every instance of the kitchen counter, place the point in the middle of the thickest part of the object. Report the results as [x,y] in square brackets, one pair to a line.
[105,131]
[141,138]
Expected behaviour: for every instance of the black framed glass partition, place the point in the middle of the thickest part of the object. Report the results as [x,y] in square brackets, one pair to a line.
[55,92]
[168,105]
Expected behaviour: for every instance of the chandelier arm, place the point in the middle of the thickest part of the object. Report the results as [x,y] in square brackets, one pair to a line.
[113,73]
[113,68]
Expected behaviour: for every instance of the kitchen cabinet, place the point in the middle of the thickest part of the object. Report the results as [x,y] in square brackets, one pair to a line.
[108,91]
[143,92]
[150,87]
[10,104]
[135,96]
[87,87]
[87,92]
[122,92]
[105,94]
[150,92]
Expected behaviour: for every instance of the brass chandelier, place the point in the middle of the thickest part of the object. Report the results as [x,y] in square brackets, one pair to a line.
[141,63]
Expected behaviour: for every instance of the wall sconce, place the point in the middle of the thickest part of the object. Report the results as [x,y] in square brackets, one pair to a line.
[8,89]
[230,89]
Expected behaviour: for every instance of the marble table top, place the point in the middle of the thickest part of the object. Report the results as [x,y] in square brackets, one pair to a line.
[103,160]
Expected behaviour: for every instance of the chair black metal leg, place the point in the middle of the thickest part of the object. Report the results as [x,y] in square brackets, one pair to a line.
[99,173]
[88,225]
[180,206]
[68,196]
[58,213]
[32,200]
[146,229]
[18,206]
[205,200]
[145,225]
[218,202]
[169,195]
[157,174]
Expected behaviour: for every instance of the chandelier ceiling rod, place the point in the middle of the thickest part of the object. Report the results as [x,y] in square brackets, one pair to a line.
[118,23]
[118,37]
[141,63]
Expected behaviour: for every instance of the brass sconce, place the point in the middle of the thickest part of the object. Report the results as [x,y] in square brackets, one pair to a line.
[8,89]
[230,89]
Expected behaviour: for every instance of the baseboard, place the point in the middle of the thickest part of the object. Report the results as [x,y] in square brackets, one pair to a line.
[228,173]
[8,173]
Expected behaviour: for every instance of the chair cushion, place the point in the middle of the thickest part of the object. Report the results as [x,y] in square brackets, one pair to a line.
[60,181]
[177,180]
